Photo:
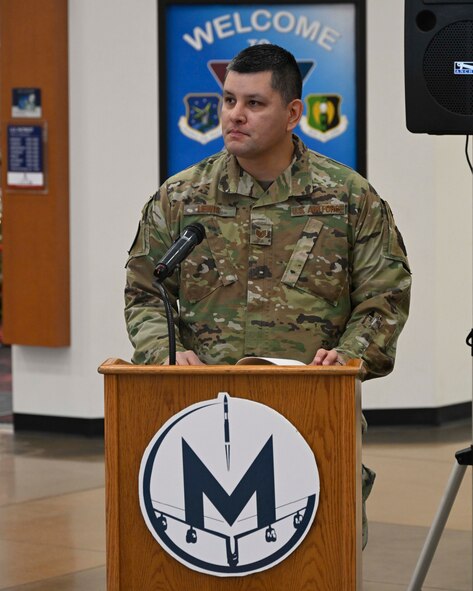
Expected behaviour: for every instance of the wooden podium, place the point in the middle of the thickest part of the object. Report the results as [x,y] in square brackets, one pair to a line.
[323,403]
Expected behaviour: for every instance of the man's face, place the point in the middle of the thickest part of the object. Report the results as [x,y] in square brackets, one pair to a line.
[255,120]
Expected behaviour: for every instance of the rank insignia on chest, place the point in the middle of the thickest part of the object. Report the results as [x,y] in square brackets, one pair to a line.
[261,232]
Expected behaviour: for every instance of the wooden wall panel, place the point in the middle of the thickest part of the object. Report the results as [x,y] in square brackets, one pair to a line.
[36,292]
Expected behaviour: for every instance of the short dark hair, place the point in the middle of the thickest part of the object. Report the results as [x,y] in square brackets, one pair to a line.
[286,76]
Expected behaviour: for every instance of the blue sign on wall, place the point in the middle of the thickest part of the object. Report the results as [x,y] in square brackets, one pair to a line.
[198,41]
[25,156]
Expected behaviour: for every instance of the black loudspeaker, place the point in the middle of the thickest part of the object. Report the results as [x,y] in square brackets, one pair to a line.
[438,66]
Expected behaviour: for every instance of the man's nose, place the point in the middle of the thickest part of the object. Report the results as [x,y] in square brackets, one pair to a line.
[237,113]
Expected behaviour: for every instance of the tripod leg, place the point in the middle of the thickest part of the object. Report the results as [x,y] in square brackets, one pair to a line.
[437,527]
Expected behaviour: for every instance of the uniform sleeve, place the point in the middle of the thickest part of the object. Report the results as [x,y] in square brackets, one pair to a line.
[144,310]
[380,286]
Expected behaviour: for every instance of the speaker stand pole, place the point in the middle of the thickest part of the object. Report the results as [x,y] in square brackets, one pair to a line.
[463,459]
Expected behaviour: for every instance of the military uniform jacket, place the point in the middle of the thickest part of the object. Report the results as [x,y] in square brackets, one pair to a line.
[314,261]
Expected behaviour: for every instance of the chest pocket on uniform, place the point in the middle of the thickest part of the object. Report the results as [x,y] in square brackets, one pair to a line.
[207,268]
[318,264]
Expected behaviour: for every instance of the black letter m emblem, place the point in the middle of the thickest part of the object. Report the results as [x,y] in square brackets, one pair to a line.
[259,479]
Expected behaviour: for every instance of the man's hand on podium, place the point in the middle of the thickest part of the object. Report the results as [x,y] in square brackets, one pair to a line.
[185,358]
[325,357]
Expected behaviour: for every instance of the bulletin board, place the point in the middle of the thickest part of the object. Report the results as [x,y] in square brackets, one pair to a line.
[34,144]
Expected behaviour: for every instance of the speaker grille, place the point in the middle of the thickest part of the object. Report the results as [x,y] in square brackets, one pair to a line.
[452,91]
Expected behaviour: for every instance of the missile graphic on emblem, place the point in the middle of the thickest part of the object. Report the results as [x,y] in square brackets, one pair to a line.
[226,431]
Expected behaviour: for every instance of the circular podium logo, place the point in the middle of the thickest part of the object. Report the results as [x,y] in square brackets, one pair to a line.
[229,487]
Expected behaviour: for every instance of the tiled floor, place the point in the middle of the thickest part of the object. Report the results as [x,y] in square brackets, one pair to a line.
[52,533]
[52,510]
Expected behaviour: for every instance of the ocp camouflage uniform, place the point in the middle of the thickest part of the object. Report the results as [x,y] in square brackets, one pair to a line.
[314,261]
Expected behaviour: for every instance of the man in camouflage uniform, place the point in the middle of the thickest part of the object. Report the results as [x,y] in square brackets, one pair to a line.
[301,258]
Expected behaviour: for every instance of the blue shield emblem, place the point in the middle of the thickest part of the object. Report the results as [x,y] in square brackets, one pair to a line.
[202,119]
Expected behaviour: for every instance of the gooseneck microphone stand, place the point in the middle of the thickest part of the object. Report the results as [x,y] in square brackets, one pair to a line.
[170,321]
[191,236]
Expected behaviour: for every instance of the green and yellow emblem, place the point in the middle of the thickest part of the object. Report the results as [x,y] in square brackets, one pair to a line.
[324,120]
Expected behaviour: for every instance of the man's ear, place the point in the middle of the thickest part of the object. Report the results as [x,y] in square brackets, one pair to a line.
[294,109]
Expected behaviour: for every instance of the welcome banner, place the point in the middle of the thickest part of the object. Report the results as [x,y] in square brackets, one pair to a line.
[198,40]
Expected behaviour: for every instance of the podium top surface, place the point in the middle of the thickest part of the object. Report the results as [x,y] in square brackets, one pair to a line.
[118,366]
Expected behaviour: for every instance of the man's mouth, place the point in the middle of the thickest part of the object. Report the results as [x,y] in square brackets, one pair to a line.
[235,133]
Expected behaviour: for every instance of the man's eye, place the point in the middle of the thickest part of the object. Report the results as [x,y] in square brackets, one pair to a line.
[254,103]
[228,99]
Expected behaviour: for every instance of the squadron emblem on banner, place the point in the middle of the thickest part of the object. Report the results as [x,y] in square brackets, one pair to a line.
[324,120]
[229,487]
[202,119]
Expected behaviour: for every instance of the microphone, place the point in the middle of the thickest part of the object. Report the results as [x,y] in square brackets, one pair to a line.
[192,235]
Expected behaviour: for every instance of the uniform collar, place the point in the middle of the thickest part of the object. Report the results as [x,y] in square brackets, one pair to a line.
[296,180]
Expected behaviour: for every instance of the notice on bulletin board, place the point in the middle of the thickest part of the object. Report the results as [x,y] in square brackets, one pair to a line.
[26,102]
[25,157]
